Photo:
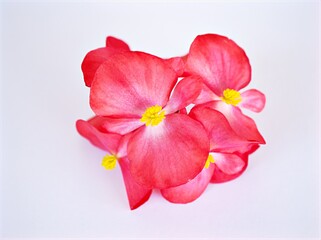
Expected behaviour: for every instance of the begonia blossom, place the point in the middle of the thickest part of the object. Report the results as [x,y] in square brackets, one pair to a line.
[227,159]
[225,70]
[142,121]
[230,151]
[132,91]
[115,146]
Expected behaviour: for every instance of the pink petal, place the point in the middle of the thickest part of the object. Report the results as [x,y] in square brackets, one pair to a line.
[136,194]
[191,190]
[105,141]
[177,64]
[220,62]
[121,125]
[93,60]
[122,149]
[184,59]
[253,100]
[169,154]
[228,163]
[116,43]
[222,136]
[185,92]
[97,122]
[206,95]
[243,125]
[228,167]
[127,84]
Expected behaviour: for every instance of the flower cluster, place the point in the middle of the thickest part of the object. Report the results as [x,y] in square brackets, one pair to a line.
[172,124]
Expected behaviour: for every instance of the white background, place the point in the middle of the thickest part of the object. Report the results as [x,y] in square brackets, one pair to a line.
[52,184]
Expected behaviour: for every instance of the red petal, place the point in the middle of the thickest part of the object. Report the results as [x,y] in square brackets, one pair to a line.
[121,125]
[116,43]
[220,62]
[177,64]
[105,141]
[127,84]
[93,60]
[169,154]
[185,92]
[191,190]
[228,163]
[136,194]
[253,100]
[226,172]
[243,125]
[97,122]
[183,111]
[122,149]
[222,136]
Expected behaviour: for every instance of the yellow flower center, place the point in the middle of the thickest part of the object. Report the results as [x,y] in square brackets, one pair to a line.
[109,162]
[209,160]
[231,96]
[153,116]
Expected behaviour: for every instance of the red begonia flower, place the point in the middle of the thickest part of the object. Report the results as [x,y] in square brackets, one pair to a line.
[225,69]
[229,150]
[183,94]
[229,154]
[226,167]
[115,145]
[134,88]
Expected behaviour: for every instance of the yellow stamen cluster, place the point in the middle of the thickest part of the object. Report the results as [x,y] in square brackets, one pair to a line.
[209,160]
[231,96]
[109,162]
[153,116]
